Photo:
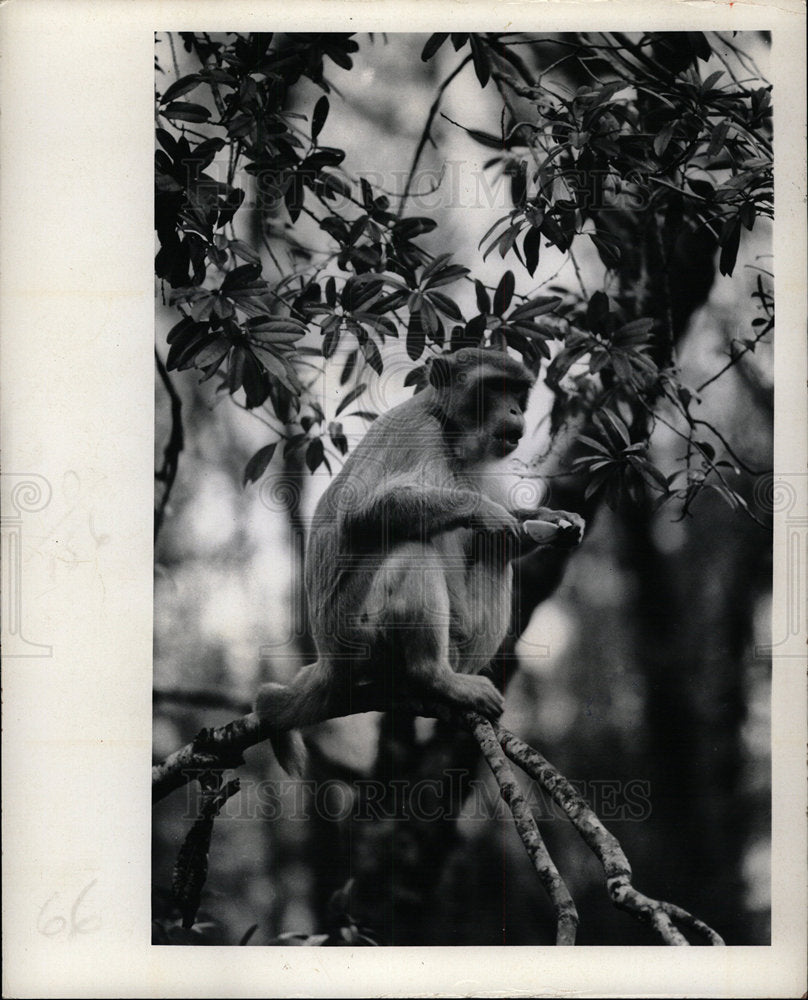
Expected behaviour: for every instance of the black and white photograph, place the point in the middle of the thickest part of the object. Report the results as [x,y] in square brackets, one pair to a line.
[403,498]
[464,488]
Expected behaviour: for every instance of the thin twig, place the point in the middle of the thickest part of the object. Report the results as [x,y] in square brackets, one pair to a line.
[735,358]
[425,134]
[171,453]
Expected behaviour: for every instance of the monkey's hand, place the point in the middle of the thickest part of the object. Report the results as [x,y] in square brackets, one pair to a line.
[557,528]
[493,519]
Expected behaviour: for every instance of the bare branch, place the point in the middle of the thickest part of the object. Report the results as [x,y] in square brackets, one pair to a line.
[554,885]
[606,848]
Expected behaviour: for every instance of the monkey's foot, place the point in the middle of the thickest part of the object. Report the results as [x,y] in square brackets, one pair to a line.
[477,693]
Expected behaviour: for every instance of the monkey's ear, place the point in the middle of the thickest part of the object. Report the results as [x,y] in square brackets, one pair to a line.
[440,372]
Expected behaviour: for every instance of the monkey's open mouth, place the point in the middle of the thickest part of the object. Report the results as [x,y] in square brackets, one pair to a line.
[510,442]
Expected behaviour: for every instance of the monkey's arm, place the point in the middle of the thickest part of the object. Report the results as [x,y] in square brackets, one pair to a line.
[417,512]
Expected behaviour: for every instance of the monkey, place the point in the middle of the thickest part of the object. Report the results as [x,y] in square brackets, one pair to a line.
[408,563]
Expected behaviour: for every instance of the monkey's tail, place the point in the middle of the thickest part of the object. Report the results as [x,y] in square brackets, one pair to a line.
[284,707]
[290,751]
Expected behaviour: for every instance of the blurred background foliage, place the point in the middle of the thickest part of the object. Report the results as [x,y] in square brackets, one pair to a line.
[643,670]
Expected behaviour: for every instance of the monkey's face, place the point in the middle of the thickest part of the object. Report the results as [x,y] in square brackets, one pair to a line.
[496,415]
[483,400]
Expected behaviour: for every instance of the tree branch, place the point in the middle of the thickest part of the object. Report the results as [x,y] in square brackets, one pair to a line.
[214,750]
[554,885]
[606,848]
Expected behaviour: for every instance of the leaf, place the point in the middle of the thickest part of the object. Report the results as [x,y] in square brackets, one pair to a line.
[599,446]
[245,937]
[382,325]
[610,419]
[475,328]
[446,276]
[519,185]
[319,116]
[355,393]
[597,311]
[435,265]
[333,331]
[700,45]
[235,368]
[507,240]
[181,329]
[325,156]
[315,453]
[185,348]
[241,277]
[182,86]
[212,355]
[372,355]
[598,480]
[504,293]
[483,301]
[338,438]
[538,306]
[257,465]
[416,337]
[184,111]
[167,141]
[730,240]
[275,324]
[747,215]
[256,386]
[479,56]
[656,474]
[446,305]
[243,250]
[703,188]
[718,138]
[409,229]
[662,139]
[416,376]
[485,138]
[609,252]
[497,224]
[531,247]
[711,80]
[358,293]
[429,318]
[433,43]
[555,234]
[350,364]
[635,332]
[706,448]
